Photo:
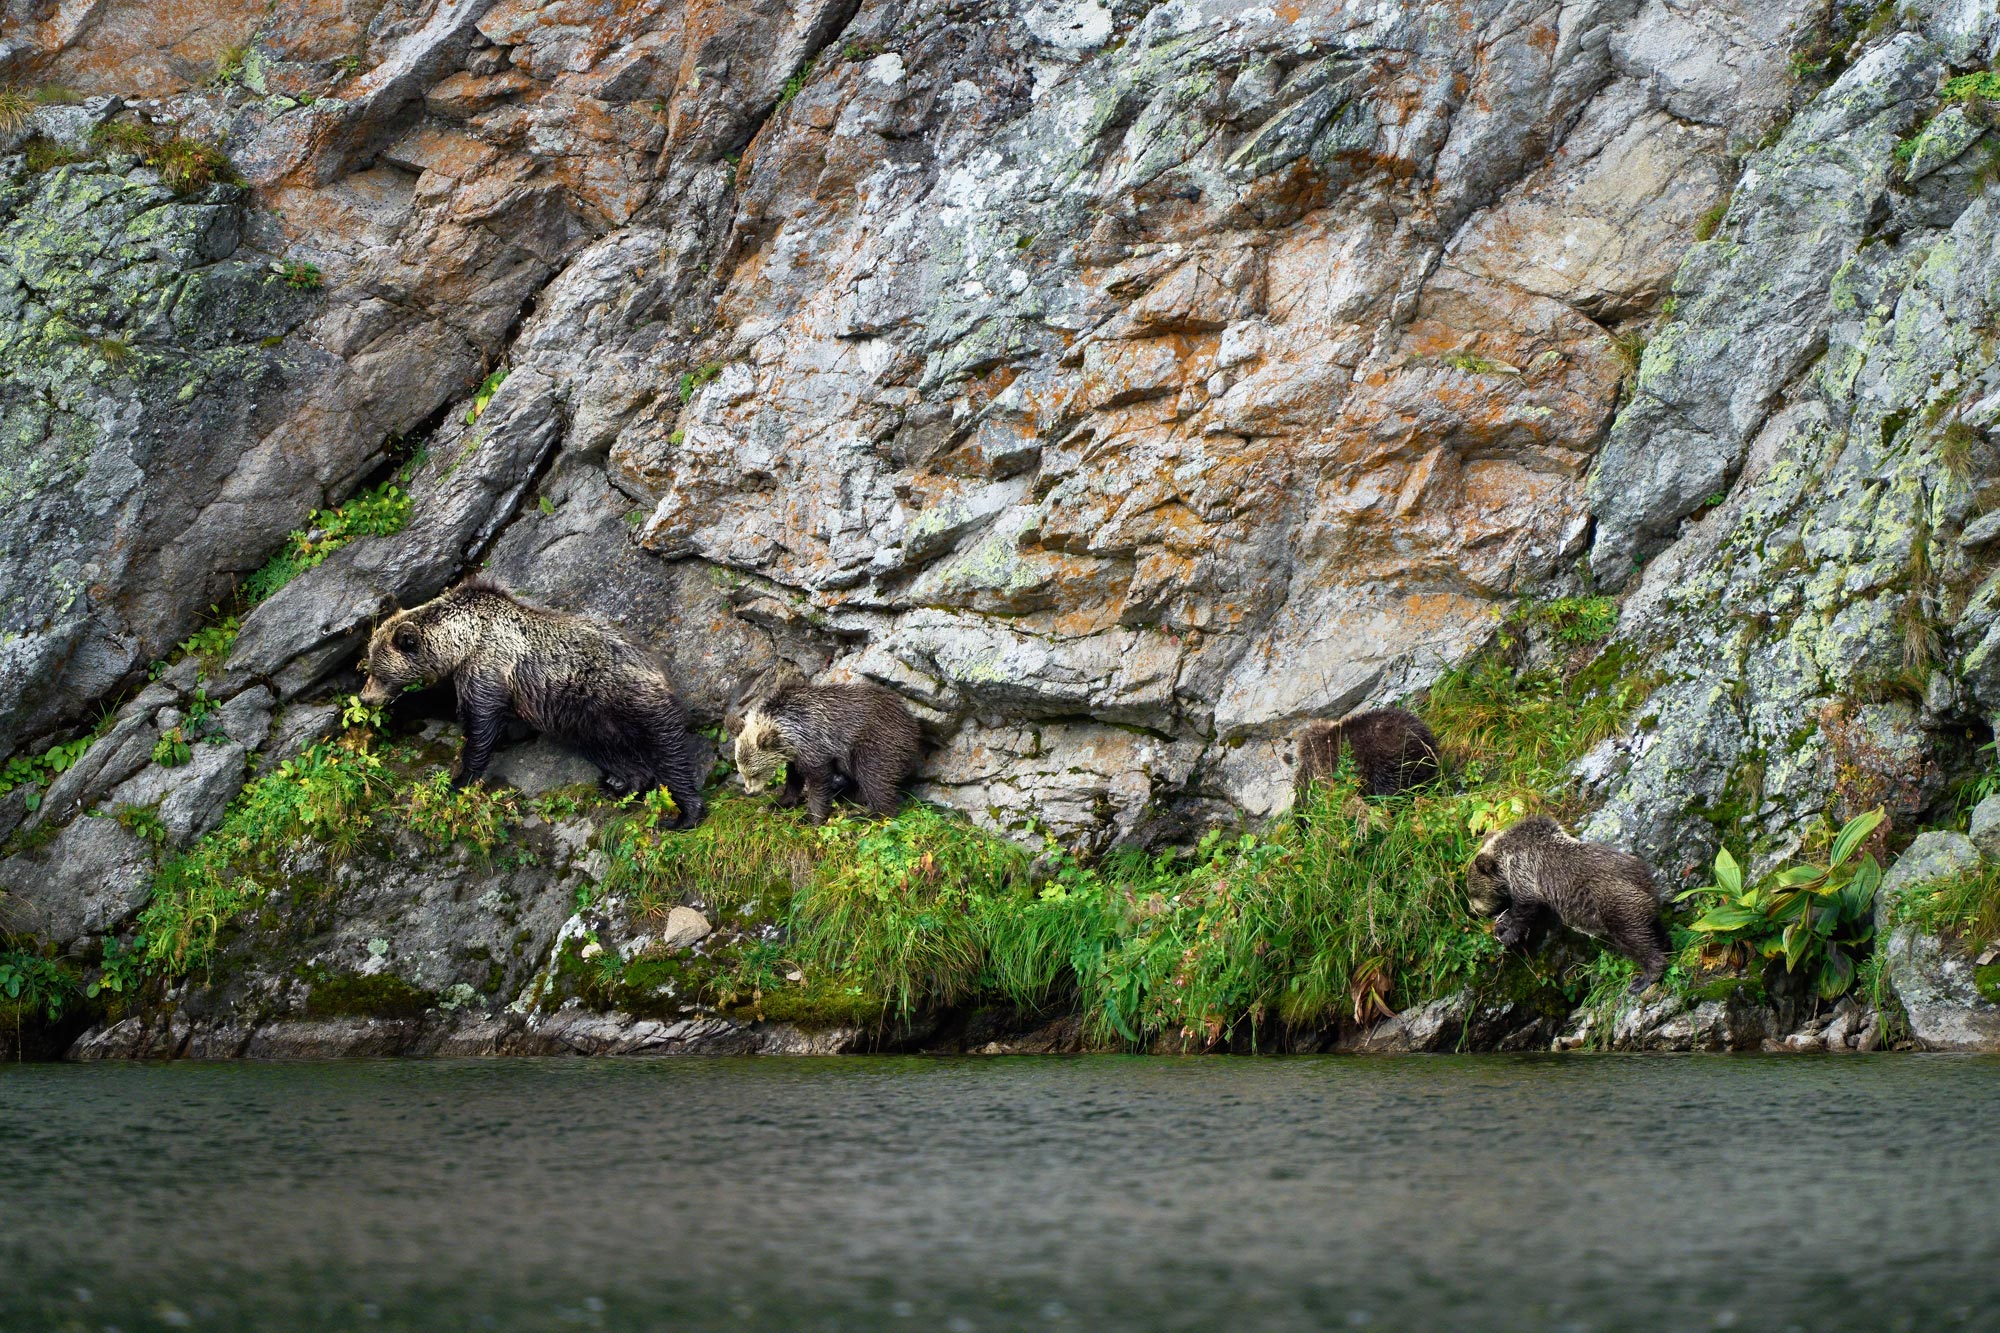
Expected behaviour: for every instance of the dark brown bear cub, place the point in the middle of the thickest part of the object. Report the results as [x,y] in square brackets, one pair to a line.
[1598,890]
[569,677]
[1393,750]
[825,735]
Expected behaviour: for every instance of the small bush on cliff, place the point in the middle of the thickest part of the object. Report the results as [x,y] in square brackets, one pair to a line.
[34,985]
[469,817]
[44,154]
[379,512]
[36,772]
[1966,907]
[1818,918]
[188,166]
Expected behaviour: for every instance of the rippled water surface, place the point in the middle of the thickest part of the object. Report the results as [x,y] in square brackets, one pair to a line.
[1096,1193]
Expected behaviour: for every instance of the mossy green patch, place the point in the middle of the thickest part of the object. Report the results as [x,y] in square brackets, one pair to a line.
[352,995]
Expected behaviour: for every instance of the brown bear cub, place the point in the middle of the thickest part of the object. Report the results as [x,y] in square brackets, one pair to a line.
[569,677]
[825,736]
[1598,890]
[1393,750]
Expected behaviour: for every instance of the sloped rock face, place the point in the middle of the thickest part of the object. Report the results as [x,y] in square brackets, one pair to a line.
[1124,384]
[1825,376]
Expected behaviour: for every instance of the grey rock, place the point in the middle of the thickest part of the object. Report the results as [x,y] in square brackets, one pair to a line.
[1752,304]
[1934,978]
[90,879]
[1985,827]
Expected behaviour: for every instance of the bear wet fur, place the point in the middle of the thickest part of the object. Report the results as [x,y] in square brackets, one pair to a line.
[1393,750]
[569,677]
[827,737]
[1603,892]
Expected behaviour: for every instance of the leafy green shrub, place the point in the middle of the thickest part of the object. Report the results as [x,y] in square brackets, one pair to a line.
[1818,918]
[1580,620]
[1710,221]
[34,984]
[173,748]
[125,136]
[469,816]
[1966,907]
[299,274]
[188,166]
[800,77]
[484,393]
[380,512]
[212,644]
[37,771]
[45,154]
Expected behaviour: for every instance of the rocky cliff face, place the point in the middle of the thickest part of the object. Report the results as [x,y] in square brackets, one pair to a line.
[1123,383]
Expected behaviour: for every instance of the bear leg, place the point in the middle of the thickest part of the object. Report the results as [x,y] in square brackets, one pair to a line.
[1511,927]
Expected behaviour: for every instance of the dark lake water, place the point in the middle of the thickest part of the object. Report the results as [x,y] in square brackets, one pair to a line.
[1098,1193]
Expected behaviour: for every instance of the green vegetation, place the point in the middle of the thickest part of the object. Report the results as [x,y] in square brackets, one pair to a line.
[1818,918]
[484,393]
[15,107]
[1966,907]
[1710,221]
[868,50]
[327,795]
[299,274]
[1979,86]
[229,66]
[173,748]
[34,985]
[38,771]
[1250,933]
[45,154]
[800,78]
[186,166]
[378,512]
[1578,620]
[694,379]
[445,816]
[1474,364]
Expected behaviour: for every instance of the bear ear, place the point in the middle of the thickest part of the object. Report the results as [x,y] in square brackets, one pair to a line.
[1486,864]
[405,638]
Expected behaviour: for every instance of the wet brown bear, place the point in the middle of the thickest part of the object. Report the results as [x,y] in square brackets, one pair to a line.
[572,678]
[825,735]
[1598,890]
[1393,750]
